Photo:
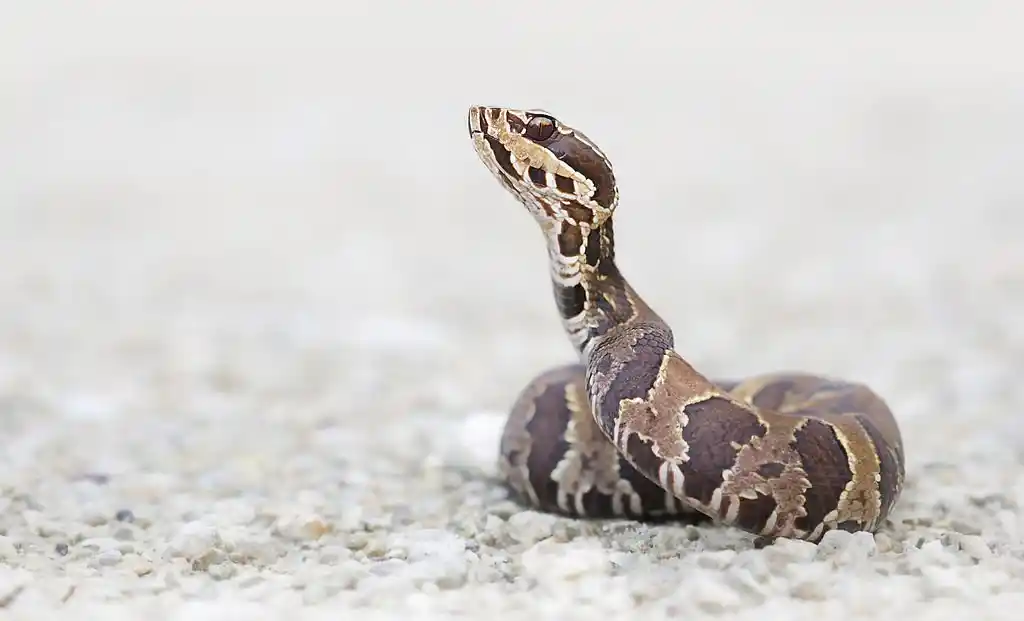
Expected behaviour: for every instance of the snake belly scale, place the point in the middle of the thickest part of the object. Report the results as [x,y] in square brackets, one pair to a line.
[631,429]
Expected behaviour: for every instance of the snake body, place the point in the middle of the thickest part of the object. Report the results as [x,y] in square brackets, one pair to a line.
[633,430]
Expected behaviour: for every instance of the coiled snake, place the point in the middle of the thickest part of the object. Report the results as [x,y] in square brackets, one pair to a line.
[632,430]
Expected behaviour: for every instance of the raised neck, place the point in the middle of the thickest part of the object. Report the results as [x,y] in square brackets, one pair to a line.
[593,298]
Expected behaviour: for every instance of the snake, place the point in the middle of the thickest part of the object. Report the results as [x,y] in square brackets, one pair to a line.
[630,429]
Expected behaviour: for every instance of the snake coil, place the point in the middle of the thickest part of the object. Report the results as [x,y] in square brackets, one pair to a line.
[632,430]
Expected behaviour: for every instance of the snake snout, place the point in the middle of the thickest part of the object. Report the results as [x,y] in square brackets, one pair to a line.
[475,119]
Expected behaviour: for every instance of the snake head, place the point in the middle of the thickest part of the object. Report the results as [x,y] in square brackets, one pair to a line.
[553,169]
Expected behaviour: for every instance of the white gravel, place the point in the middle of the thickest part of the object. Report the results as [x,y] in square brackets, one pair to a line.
[262,310]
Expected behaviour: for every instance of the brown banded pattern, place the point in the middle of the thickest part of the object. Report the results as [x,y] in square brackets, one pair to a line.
[632,429]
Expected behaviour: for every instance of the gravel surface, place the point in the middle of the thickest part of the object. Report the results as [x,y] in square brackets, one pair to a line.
[263,310]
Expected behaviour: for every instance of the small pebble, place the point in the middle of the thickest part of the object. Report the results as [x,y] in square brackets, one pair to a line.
[813,590]
[222,571]
[790,550]
[965,528]
[549,561]
[931,554]
[138,565]
[883,542]
[388,567]
[108,558]
[975,547]
[192,540]
[846,548]
[942,582]
[332,555]
[100,544]
[124,515]
[716,560]
[530,526]
[711,594]
[301,527]
[61,548]
[96,478]
[95,518]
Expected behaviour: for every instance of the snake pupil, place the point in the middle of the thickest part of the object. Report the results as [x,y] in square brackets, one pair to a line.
[540,127]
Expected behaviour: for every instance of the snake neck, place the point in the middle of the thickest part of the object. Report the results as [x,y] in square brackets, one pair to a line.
[595,301]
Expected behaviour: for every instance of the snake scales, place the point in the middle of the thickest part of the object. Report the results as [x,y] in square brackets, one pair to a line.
[632,430]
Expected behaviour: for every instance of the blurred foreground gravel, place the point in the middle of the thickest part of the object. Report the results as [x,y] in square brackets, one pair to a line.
[263,311]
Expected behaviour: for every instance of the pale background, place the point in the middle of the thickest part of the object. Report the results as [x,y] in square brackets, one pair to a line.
[252,272]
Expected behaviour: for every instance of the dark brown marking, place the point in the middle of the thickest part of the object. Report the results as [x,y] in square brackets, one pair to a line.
[825,461]
[565,184]
[653,497]
[850,526]
[538,176]
[771,470]
[727,502]
[593,254]
[570,239]
[515,125]
[584,159]
[612,300]
[611,281]
[627,367]
[578,212]
[503,157]
[714,425]
[754,512]
[546,429]
[570,300]
[642,457]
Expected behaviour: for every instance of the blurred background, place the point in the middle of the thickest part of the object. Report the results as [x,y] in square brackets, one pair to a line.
[267,204]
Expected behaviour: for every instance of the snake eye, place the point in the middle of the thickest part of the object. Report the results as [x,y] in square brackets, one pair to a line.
[540,127]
